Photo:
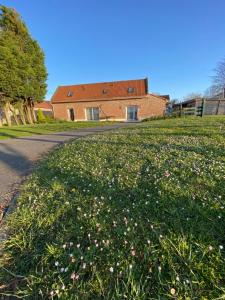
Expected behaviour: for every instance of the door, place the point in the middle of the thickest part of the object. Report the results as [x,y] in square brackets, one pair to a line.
[132,113]
[95,113]
[92,113]
[71,114]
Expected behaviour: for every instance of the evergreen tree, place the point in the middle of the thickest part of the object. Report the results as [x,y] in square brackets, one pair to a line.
[9,76]
[22,69]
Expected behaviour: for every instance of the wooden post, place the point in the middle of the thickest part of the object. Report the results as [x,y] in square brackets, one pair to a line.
[203,107]
[180,109]
[218,106]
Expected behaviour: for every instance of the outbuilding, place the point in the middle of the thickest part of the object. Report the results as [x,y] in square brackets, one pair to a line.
[127,100]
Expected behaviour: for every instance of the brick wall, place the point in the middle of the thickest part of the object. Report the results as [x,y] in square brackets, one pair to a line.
[148,106]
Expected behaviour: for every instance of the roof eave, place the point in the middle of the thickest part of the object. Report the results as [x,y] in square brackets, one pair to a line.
[98,99]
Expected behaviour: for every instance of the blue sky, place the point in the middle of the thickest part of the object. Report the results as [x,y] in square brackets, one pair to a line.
[175,43]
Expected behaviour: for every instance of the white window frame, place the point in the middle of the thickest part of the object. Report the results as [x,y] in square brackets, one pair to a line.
[127,112]
[92,114]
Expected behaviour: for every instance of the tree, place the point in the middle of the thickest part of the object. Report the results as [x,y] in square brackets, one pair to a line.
[219,78]
[22,60]
[12,34]
[211,91]
[35,75]
[192,96]
[9,76]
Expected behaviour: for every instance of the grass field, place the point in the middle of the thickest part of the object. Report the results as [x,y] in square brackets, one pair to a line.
[26,130]
[133,214]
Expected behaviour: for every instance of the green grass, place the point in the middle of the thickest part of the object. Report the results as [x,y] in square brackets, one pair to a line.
[27,130]
[134,214]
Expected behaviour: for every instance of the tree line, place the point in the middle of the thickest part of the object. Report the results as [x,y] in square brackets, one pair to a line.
[216,89]
[23,73]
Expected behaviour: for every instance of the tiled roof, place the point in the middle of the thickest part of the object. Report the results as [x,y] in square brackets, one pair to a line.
[165,97]
[100,91]
[43,105]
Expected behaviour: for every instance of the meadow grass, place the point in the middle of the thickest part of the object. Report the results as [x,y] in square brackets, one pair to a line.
[137,213]
[46,128]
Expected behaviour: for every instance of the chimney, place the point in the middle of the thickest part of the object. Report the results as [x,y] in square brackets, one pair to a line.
[224,93]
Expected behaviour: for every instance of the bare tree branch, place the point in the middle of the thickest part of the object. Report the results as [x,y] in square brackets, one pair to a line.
[219,77]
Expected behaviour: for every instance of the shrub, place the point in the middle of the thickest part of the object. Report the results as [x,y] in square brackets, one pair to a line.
[50,119]
[40,116]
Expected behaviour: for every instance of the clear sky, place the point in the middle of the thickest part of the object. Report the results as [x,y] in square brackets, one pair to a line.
[175,43]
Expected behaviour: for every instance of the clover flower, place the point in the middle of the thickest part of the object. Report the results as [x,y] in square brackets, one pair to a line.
[74,276]
[166,173]
[172,291]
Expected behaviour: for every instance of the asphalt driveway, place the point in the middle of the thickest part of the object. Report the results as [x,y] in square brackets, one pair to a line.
[18,156]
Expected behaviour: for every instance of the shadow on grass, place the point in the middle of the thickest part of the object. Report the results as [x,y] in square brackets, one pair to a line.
[19,162]
[52,130]
[6,135]
[24,131]
[177,214]
[158,146]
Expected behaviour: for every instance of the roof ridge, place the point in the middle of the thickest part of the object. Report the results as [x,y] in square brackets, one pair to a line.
[102,82]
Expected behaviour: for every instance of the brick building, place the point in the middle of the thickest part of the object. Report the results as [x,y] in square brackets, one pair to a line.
[45,106]
[119,100]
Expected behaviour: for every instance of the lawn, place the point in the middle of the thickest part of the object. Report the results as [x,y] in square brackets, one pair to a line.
[26,130]
[135,214]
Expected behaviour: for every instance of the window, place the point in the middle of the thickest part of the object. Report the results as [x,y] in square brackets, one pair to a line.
[104,91]
[70,94]
[130,90]
[92,113]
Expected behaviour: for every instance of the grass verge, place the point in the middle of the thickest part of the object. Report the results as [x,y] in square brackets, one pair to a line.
[27,130]
[133,214]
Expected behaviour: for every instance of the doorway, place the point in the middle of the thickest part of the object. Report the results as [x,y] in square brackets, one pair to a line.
[132,113]
[71,114]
